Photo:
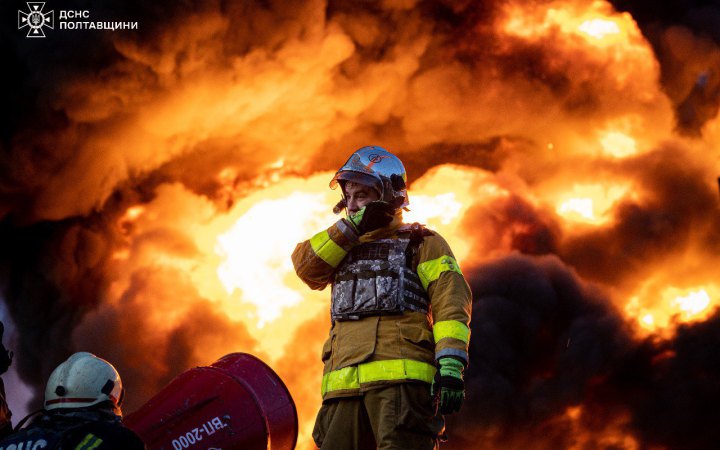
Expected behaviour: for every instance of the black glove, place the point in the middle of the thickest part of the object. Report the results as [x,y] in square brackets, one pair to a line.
[5,354]
[373,216]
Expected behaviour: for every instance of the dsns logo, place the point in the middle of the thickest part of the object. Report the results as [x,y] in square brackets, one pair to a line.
[35,19]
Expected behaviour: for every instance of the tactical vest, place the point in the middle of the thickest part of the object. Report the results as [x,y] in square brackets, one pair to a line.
[377,278]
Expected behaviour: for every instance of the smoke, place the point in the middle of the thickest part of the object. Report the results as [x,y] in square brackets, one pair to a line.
[680,390]
[511,223]
[675,208]
[178,331]
[544,342]
[120,165]
[685,39]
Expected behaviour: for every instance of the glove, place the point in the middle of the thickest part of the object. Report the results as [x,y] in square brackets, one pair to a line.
[5,355]
[373,216]
[449,385]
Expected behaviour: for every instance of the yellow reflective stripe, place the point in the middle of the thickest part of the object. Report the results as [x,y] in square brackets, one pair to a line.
[394,369]
[89,443]
[336,380]
[430,271]
[327,249]
[451,329]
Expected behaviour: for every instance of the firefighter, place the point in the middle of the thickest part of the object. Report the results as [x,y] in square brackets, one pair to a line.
[400,312]
[82,411]
[5,361]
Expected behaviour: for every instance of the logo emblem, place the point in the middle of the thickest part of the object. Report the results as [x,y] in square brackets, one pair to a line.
[36,19]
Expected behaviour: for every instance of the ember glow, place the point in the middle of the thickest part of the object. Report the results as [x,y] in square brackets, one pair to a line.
[567,151]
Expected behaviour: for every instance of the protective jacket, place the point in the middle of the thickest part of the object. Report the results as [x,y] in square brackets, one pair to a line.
[381,332]
[74,430]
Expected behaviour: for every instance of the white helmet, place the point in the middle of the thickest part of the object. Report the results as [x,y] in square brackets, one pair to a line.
[83,380]
[378,168]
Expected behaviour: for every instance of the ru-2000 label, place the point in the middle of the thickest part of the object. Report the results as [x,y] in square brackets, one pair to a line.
[197,434]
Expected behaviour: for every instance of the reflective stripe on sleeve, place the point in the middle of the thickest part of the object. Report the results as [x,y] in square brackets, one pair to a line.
[394,369]
[451,329]
[327,249]
[430,271]
[89,443]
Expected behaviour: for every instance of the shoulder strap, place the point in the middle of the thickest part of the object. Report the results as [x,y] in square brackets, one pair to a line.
[417,234]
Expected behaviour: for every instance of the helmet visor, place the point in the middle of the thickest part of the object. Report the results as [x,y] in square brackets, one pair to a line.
[357,177]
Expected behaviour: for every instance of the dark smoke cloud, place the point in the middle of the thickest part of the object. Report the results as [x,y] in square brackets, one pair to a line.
[51,276]
[542,341]
[511,224]
[685,36]
[677,206]
[678,409]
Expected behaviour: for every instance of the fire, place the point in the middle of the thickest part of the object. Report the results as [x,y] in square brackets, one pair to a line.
[599,28]
[255,251]
[676,305]
[618,144]
[613,435]
[222,128]
[692,304]
[442,196]
[259,233]
[590,203]
[602,36]
[254,239]
[597,24]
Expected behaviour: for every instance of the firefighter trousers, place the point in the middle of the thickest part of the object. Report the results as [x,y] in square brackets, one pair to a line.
[399,416]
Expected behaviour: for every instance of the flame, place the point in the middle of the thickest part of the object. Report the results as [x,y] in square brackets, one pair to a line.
[675,306]
[601,35]
[255,251]
[618,144]
[233,244]
[597,24]
[692,304]
[613,434]
[590,203]
[599,28]
[260,232]
[255,268]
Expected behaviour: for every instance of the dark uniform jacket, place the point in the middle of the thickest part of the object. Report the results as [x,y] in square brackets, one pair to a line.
[78,430]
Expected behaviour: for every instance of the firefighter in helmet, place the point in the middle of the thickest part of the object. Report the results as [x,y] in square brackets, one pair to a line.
[82,410]
[400,312]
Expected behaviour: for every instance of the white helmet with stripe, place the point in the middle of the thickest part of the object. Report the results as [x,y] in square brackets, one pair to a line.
[83,380]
